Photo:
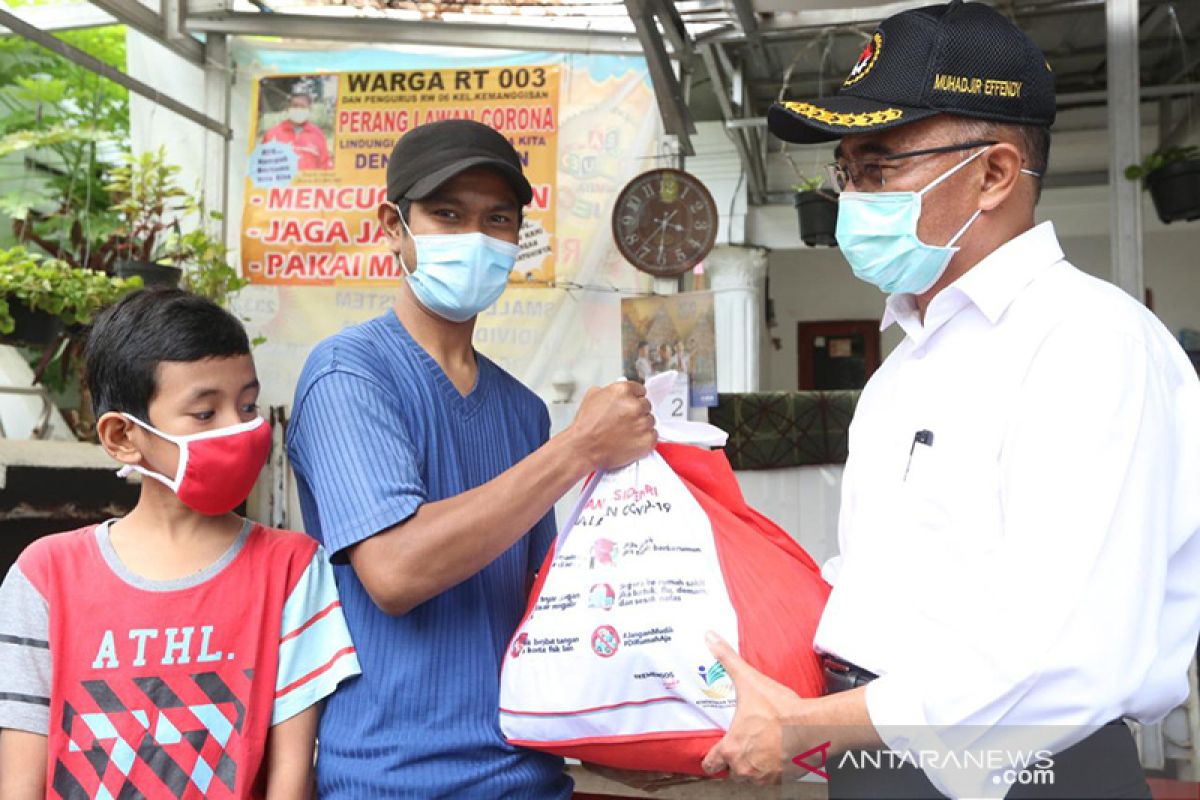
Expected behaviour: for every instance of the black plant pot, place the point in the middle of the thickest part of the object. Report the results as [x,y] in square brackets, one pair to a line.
[32,328]
[150,273]
[1175,190]
[818,218]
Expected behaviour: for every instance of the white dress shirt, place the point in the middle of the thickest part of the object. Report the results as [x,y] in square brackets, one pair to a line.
[1038,562]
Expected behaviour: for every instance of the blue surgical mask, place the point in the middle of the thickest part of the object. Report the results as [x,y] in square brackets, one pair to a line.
[877,233]
[458,275]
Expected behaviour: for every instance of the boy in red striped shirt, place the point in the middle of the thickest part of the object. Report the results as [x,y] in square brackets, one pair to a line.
[180,651]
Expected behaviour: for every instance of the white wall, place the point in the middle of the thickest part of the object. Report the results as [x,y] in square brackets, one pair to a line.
[813,284]
[716,162]
[151,126]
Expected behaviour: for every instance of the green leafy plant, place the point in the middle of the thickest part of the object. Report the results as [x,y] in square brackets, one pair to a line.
[152,207]
[1159,159]
[808,184]
[75,296]
[57,116]
[206,267]
[44,284]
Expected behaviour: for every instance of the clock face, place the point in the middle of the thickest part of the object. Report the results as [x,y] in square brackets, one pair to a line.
[665,222]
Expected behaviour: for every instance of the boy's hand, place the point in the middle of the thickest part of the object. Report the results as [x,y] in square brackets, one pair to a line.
[22,765]
[614,425]
[290,750]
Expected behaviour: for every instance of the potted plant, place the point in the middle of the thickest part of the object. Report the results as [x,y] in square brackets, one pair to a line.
[817,210]
[205,261]
[59,301]
[151,206]
[53,294]
[1173,177]
[24,318]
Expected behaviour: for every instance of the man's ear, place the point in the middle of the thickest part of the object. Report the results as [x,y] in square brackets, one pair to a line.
[389,218]
[1001,169]
[115,432]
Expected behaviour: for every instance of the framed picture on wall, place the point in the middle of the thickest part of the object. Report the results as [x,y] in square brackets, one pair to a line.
[837,354]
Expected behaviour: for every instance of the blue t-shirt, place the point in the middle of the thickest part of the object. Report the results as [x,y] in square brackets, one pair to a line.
[377,430]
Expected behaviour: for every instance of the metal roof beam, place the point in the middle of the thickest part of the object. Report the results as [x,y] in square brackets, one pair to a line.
[1124,139]
[754,169]
[760,58]
[62,17]
[1145,94]
[784,20]
[429,32]
[677,119]
[150,23]
[89,62]
[673,29]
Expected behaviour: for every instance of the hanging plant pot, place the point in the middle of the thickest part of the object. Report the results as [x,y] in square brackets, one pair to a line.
[150,273]
[818,218]
[34,328]
[1175,190]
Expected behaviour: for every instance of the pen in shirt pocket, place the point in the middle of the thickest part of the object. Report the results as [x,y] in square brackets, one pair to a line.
[922,436]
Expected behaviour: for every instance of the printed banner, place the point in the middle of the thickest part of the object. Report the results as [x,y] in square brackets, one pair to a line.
[318,154]
[607,130]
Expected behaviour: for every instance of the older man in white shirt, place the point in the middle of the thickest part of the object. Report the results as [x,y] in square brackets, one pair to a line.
[1020,522]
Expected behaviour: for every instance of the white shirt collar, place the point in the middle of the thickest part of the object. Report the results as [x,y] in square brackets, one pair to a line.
[991,285]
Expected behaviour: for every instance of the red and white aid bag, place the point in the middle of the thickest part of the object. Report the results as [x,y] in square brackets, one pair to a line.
[610,665]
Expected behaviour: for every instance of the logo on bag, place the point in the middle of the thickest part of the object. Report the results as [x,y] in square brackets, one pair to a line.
[601,596]
[605,641]
[604,553]
[519,644]
[717,683]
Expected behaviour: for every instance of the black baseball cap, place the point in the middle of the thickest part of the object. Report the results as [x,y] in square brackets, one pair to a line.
[431,154]
[959,58]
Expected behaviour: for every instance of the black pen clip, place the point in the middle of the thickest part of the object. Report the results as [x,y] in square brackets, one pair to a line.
[924,437]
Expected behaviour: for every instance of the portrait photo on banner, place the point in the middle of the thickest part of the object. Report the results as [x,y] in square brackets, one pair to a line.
[299,110]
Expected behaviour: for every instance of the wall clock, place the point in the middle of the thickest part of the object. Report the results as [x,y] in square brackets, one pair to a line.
[665,222]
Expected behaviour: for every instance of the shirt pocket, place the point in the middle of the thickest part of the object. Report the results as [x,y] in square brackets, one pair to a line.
[950,490]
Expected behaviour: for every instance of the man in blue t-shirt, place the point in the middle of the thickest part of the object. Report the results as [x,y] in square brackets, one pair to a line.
[428,474]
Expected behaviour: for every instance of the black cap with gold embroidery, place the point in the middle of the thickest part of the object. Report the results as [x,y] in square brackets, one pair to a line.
[957,58]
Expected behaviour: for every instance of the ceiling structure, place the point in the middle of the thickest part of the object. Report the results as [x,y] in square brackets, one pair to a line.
[722,60]
[762,50]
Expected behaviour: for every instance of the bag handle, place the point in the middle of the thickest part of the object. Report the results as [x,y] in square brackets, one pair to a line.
[672,429]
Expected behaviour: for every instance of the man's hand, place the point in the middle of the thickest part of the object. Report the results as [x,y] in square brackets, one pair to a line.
[752,749]
[614,425]
[642,781]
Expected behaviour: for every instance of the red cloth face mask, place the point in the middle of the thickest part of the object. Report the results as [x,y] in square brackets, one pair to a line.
[217,468]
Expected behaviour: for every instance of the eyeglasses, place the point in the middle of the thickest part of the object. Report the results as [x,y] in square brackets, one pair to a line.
[868,174]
